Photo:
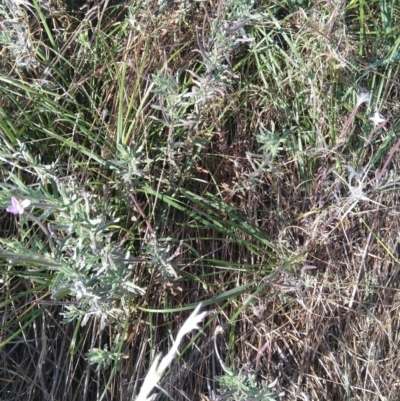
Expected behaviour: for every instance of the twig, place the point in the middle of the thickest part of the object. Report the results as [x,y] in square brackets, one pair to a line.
[140,210]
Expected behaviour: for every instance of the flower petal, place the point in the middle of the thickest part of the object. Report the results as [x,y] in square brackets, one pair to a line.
[377,119]
[25,203]
[13,209]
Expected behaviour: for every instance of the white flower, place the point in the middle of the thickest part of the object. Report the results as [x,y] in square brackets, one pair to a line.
[377,118]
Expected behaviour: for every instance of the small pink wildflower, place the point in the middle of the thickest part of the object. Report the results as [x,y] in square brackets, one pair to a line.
[17,205]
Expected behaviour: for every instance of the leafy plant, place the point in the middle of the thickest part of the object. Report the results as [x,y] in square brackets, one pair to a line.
[239,387]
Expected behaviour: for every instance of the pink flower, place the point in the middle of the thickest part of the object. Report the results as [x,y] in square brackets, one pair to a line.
[17,205]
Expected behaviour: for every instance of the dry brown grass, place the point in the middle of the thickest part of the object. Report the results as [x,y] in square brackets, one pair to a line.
[326,326]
